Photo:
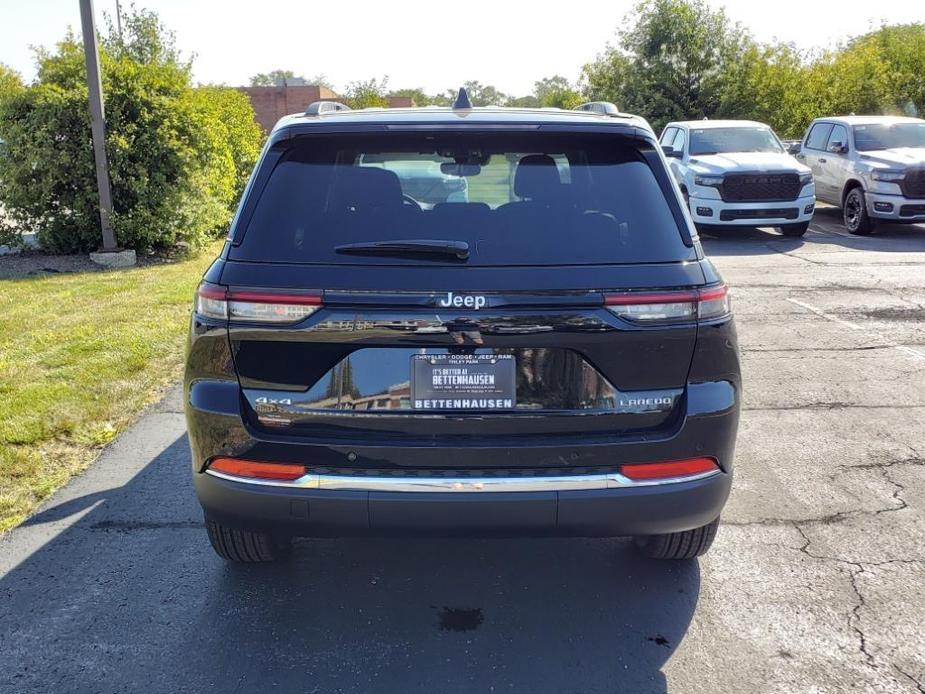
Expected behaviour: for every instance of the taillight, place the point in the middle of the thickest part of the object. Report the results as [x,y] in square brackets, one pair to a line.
[639,472]
[255,306]
[257,470]
[670,306]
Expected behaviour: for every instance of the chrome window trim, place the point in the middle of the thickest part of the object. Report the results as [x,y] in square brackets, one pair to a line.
[610,480]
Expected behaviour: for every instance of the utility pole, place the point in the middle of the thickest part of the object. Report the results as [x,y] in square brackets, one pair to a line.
[119,19]
[97,122]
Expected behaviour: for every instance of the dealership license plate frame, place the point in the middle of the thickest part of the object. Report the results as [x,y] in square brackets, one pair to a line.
[447,394]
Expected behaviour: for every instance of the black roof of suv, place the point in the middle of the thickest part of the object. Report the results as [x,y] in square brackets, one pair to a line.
[462,319]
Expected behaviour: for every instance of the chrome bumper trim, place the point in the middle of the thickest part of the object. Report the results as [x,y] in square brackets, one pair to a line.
[611,480]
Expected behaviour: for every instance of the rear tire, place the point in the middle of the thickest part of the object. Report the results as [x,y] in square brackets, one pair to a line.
[854,212]
[245,546]
[794,230]
[684,545]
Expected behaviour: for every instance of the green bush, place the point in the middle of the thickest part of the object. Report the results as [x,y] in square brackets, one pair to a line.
[178,155]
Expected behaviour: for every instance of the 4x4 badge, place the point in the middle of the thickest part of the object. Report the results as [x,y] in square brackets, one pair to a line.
[475,301]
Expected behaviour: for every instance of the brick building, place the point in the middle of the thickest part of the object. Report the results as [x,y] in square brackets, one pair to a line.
[272,103]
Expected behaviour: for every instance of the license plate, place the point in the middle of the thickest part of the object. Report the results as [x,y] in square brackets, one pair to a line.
[462,382]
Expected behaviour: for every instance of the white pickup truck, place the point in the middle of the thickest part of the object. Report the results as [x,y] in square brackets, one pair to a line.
[873,167]
[737,173]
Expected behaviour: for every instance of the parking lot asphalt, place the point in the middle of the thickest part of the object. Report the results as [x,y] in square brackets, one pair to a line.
[814,584]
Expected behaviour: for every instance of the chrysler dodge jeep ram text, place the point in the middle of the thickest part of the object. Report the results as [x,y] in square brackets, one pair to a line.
[530,343]
[737,173]
[873,167]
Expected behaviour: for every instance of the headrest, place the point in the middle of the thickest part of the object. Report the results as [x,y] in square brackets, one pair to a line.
[536,177]
[365,188]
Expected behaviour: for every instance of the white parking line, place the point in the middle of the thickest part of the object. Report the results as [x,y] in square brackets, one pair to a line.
[854,326]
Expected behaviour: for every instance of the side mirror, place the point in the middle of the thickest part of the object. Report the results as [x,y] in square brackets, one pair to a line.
[838,147]
[671,152]
[794,148]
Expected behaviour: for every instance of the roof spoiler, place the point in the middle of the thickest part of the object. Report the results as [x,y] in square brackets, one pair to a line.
[323,108]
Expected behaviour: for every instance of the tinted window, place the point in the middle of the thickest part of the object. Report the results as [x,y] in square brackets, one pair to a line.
[839,134]
[515,199]
[737,139]
[883,136]
[818,136]
[679,141]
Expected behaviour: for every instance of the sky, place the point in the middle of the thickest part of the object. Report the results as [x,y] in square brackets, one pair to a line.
[430,44]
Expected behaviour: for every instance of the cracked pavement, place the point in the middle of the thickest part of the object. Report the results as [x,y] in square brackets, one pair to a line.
[814,583]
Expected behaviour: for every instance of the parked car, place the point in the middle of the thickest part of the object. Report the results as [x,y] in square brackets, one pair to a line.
[873,167]
[737,173]
[574,372]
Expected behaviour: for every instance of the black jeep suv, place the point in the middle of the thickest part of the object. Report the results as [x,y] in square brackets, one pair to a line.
[462,320]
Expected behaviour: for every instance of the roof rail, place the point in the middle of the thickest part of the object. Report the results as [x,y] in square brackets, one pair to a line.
[605,108]
[321,108]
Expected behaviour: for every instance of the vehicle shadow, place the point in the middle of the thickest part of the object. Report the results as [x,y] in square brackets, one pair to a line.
[130,597]
[826,230]
[741,241]
[888,237]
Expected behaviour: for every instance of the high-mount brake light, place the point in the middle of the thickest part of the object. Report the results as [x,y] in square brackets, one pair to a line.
[255,306]
[670,306]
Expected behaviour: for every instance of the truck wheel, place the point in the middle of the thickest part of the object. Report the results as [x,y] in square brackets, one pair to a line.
[236,545]
[794,230]
[855,213]
[684,545]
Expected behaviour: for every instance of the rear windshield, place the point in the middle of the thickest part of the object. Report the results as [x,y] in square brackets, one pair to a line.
[508,199]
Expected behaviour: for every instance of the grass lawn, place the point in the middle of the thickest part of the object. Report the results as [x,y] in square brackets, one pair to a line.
[81,354]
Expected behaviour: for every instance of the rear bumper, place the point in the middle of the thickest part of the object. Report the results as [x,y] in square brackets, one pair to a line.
[509,501]
[752,214]
[643,510]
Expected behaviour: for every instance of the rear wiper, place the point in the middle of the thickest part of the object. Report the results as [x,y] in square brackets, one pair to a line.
[457,249]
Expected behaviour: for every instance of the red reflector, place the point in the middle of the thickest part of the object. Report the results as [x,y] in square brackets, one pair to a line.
[265,471]
[276,298]
[677,468]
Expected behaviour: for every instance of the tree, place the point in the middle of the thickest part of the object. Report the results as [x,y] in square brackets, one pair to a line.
[177,156]
[367,93]
[420,97]
[670,61]
[608,78]
[236,129]
[529,101]
[893,58]
[10,82]
[556,91]
[10,86]
[480,94]
[769,84]
[280,78]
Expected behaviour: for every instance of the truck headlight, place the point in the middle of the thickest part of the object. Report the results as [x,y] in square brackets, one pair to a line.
[709,181]
[891,176]
[806,178]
